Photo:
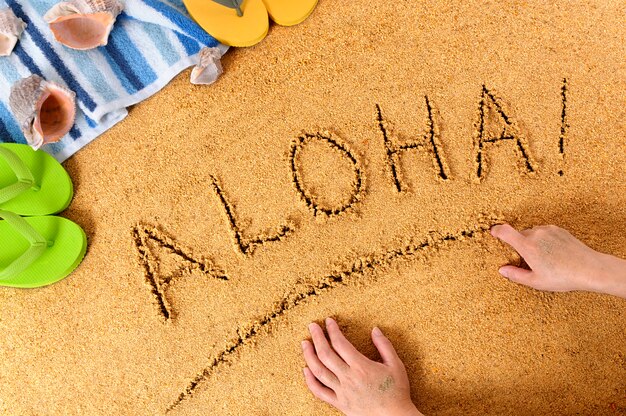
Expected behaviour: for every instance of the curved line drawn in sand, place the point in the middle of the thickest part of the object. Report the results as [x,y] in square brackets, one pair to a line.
[488,101]
[247,246]
[564,125]
[143,235]
[310,200]
[429,141]
[305,290]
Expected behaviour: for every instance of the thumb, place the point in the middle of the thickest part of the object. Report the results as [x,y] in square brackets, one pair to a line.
[385,348]
[517,274]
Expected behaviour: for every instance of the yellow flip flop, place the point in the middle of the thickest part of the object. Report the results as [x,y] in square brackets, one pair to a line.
[289,12]
[231,22]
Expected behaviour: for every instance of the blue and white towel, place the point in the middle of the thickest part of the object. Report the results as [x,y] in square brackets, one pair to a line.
[152,41]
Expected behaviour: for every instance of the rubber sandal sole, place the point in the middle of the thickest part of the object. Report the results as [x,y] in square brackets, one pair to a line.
[56,189]
[56,263]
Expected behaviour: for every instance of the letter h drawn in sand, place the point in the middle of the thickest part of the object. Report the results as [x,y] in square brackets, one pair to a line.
[428,142]
[494,126]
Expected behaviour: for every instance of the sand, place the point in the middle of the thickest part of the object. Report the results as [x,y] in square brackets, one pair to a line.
[349,166]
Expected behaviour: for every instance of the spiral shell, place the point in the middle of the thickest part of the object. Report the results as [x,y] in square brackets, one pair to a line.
[83,24]
[11,27]
[209,67]
[44,110]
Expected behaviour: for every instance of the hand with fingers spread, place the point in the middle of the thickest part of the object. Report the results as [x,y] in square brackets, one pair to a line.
[559,262]
[340,375]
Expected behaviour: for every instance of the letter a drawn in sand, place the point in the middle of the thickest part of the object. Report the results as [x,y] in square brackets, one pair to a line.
[164,261]
[495,126]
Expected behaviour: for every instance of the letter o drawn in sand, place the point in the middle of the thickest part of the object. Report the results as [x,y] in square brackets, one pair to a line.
[309,198]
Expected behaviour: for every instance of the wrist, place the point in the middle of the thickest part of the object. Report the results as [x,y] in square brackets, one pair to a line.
[610,276]
[415,412]
[408,409]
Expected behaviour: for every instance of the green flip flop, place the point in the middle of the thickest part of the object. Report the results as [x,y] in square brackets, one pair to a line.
[38,251]
[32,183]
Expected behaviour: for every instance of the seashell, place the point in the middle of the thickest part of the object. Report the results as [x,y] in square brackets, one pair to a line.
[11,27]
[209,67]
[44,110]
[83,24]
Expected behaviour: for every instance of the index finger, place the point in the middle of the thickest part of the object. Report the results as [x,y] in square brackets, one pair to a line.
[340,343]
[324,351]
[511,236]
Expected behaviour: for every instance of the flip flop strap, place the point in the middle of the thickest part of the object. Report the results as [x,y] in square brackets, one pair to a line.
[232,4]
[25,179]
[38,244]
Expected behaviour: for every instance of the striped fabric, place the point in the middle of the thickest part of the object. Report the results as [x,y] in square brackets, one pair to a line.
[151,42]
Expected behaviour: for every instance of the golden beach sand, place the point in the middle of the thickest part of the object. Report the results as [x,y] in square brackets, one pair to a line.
[223,219]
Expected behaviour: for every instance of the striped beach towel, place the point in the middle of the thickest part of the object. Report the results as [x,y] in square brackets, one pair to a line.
[151,42]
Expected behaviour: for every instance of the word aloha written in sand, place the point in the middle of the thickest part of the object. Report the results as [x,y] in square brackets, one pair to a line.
[494,126]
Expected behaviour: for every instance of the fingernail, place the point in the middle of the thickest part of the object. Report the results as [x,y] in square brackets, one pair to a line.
[311,326]
[376,331]
[303,344]
[329,320]
[503,272]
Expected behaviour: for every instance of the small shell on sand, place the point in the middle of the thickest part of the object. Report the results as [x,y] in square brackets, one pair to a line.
[209,67]
[11,27]
[83,24]
[44,110]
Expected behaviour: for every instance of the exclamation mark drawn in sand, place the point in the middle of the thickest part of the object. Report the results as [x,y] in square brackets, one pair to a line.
[164,261]
[246,246]
[564,125]
[359,269]
[494,126]
[342,150]
[429,141]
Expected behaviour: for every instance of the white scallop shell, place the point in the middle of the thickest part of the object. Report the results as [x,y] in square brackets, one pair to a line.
[83,24]
[11,27]
[44,110]
[209,67]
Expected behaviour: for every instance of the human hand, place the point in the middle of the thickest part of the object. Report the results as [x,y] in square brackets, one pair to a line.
[340,375]
[559,262]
